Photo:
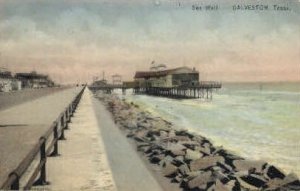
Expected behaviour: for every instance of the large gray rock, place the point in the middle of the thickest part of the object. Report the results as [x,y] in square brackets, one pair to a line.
[156,159]
[177,179]
[160,124]
[246,165]
[177,139]
[218,186]
[144,125]
[193,155]
[205,150]
[152,133]
[273,172]
[200,180]
[290,179]
[246,185]
[190,144]
[218,174]
[198,138]
[143,146]
[169,170]
[241,173]
[227,168]
[177,152]
[167,159]
[205,162]
[252,182]
[175,149]
[163,134]
[181,138]
[193,174]
[273,184]
[184,169]
[172,133]
[140,136]
[232,185]
[289,183]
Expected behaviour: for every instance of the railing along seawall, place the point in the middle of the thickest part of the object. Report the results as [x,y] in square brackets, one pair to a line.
[44,148]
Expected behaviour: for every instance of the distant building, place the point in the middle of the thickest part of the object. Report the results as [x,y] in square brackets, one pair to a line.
[102,82]
[8,82]
[34,80]
[117,79]
[130,84]
[182,76]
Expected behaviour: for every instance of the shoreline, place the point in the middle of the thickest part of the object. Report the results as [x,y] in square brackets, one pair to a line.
[189,160]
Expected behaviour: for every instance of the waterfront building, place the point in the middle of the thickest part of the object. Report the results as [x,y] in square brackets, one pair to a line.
[34,80]
[8,82]
[102,82]
[177,77]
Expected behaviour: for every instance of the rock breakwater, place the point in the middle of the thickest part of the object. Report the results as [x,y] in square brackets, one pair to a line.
[191,160]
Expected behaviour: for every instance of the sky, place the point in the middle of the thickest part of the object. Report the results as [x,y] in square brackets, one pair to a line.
[74,41]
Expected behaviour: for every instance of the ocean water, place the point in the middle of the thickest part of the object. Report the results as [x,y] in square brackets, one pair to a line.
[256,121]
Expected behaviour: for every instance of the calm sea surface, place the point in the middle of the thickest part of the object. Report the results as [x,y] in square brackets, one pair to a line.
[256,121]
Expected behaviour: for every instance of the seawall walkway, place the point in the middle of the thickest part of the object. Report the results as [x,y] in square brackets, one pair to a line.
[97,156]
[23,124]
[83,163]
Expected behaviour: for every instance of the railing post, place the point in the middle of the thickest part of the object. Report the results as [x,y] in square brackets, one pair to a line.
[62,125]
[16,183]
[42,179]
[55,137]
[66,119]
[70,113]
[71,109]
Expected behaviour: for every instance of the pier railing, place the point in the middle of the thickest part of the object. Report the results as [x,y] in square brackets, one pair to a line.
[44,147]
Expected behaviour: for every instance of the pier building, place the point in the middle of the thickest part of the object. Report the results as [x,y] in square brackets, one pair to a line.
[179,83]
[116,79]
[182,76]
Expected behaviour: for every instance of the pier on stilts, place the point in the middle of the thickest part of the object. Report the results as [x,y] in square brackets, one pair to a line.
[202,90]
[109,88]
[177,83]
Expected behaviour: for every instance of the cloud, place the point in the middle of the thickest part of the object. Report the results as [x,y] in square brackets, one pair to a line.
[80,40]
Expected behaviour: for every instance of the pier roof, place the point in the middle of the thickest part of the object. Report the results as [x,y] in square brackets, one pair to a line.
[147,74]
